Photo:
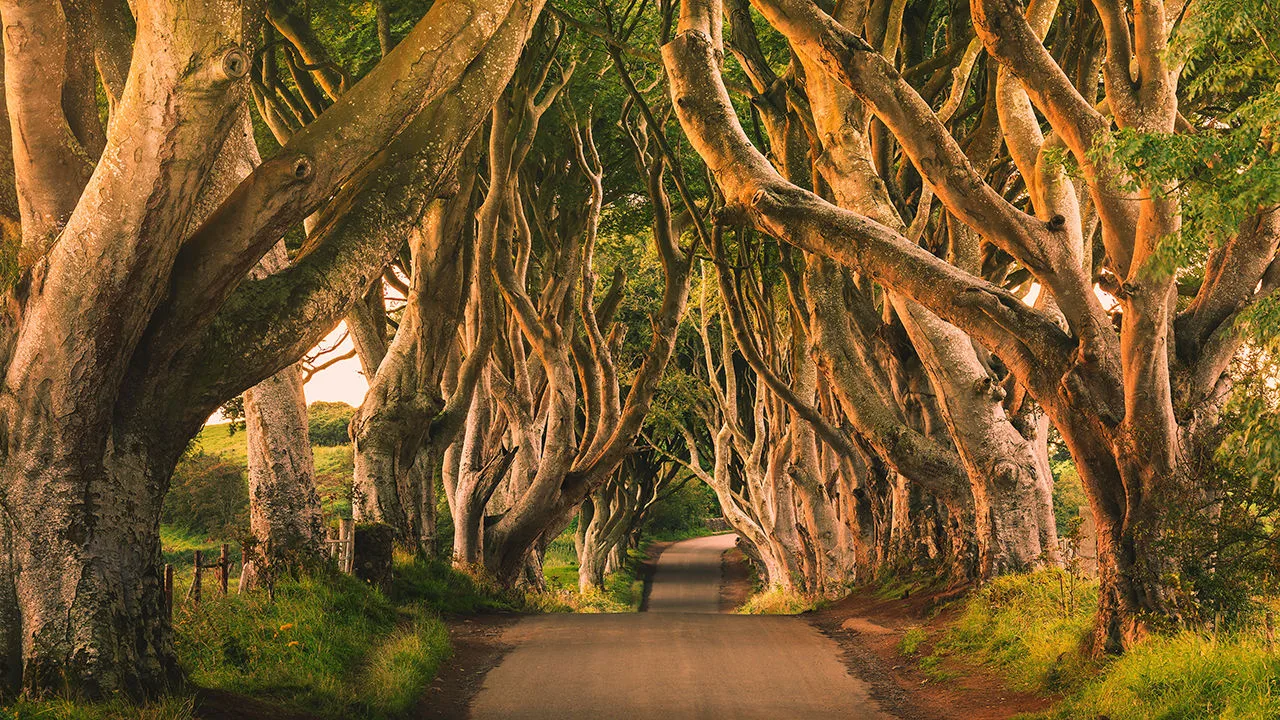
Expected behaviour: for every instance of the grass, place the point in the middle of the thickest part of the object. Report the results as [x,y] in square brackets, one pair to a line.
[911,641]
[1189,676]
[777,601]
[334,465]
[1029,629]
[623,589]
[327,645]
[216,440]
[175,708]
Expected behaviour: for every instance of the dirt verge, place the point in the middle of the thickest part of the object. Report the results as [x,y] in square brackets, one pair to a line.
[870,631]
[735,580]
[477,649]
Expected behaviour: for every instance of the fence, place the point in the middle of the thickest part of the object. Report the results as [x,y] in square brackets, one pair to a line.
[222,566]
[340,544]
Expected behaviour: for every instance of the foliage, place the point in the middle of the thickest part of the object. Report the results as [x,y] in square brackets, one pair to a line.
[682,514]
[776,601]
[329,644]
[208,495]
[327,423]
[233,411]
[1068,497]
[1030,627]
[1229,166]
[1019,627]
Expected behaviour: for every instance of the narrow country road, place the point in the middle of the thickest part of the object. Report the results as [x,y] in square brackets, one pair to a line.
[680,660]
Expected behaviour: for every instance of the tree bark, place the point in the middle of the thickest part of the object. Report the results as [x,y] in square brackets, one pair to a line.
[284,508]
[103,385]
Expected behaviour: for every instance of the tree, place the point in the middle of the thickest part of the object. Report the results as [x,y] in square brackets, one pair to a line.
[129,321]
[1132,402]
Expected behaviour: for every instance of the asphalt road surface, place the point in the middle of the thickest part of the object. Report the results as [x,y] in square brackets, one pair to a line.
[679,660]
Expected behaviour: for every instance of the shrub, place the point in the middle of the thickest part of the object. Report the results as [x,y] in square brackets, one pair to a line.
[328,422]
[209,495]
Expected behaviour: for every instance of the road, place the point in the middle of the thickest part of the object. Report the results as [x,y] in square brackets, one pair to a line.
[680,660]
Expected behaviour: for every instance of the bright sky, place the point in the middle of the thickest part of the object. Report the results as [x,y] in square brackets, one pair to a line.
[343,382]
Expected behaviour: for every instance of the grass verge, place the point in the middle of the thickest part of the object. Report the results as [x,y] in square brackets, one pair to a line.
[623,589]
[327,645]
[777,601]
[1030,628]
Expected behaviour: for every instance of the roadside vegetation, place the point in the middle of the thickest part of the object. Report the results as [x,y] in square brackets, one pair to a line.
[1031,630]
[324,644]
[686,513]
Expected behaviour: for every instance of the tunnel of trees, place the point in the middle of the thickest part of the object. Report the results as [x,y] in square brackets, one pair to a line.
[871,271]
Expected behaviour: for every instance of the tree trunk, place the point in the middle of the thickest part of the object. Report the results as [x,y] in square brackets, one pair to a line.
[392,430]
[284,508]
[85,575]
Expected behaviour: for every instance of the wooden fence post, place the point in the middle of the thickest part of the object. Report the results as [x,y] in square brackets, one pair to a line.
[347,533]
[168,589]
[224,568]
[194,593]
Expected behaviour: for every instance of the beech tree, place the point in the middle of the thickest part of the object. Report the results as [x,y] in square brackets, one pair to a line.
[558,462]
[1133,389]
[131,316]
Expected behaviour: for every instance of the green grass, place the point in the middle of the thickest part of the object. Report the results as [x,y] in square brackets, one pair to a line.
[623,589]
[175,708]
[912,639]
[1188,676]
[435,584]
[777,601]
[1029,629]
[328,644]
[304,650]
[216,440]
[334,465]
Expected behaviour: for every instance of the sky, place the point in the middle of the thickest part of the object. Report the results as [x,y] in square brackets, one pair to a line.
[343,382]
